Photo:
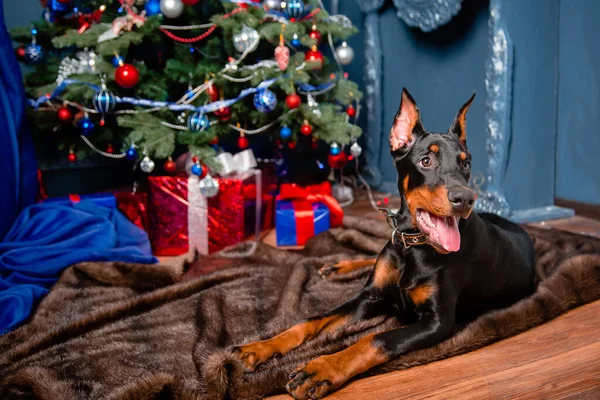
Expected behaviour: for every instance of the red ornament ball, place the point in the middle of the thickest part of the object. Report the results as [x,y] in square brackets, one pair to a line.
[72,157]
[190,2]
[337,161]
[213,92]
[315,145]
[64,1]
[316,35]
[195,159]
[293,101]
[314,56]
[170,166]
[65,116]
[243,142]
[306,129]
[215,141]
[292,144]
[127,76]
[223,114]
[20,52]
[110,149]
[351,111]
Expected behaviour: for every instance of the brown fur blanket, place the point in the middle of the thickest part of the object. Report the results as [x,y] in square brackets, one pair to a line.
[124,331]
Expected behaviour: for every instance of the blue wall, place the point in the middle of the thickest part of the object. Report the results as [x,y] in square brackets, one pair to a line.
[21,12]
[578,150]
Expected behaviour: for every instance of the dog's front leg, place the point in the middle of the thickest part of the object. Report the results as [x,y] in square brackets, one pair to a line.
[374,300]
[326,373]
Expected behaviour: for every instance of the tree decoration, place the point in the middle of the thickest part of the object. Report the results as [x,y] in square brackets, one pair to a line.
[315,34]
[293,101]
[170,166]
[147,165]
[190,2]
[345,53]
[265,100]
[86,125]
[171,8]
[223,114]
[306,129]
[209,187]
[213,92]
[314,56]
[198,170]
[296,41]
[293,8]
[198,122]
[355,150]
[152,7]
[110,149]
[127,76]
[64,115]
[72,157]
[243,142]
[282,56]
[285,132]
[292,144]
[34,53]
[246,40]
[351,111]
[337,160]
[274,5]
[20,53]
[335,149]
[132,153]
[117,60]
[104,101]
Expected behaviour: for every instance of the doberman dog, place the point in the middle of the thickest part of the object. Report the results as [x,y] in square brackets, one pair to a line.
[443,266]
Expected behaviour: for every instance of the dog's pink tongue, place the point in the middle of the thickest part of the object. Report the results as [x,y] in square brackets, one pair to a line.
[447,233]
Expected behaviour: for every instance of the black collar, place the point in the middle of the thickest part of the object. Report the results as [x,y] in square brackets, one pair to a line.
[409,238]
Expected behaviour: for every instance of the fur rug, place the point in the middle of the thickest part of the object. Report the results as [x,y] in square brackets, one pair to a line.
[126,331]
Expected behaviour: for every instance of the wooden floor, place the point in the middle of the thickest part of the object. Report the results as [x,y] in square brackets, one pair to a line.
[557,360]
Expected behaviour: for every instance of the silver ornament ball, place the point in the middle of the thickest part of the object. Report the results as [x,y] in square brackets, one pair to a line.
[272,5]
[247,39]
[209,187]
[147,165]
[171,8]
[345,53]
[355,150]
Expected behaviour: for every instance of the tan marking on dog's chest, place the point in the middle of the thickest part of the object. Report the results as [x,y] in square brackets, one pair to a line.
[420,294]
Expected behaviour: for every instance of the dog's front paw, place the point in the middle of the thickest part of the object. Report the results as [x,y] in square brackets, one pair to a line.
[253,354]
[315,379]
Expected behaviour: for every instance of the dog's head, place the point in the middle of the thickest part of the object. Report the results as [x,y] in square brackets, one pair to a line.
[433,173]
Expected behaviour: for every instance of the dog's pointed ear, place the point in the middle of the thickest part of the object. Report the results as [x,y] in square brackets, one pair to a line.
[407,123]
[459,126]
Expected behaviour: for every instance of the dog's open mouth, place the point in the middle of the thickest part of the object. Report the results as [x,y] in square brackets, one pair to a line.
[442,231]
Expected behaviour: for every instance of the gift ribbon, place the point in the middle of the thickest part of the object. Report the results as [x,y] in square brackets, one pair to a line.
[240,162]
[302,199]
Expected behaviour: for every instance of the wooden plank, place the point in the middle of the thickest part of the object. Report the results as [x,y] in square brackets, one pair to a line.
[560,359]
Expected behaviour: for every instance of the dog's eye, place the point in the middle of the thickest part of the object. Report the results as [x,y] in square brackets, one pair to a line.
[467,166]
[426,162]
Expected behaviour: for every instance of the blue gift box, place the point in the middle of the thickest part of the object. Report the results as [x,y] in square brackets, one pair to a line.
[286,229]
[100,199]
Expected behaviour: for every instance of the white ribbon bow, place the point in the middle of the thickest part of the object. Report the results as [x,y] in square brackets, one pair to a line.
[240,162]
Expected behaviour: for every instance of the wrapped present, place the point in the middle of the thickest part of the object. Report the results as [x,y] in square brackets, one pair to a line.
[100,199]
[181,217]
[134,205]
[302,212]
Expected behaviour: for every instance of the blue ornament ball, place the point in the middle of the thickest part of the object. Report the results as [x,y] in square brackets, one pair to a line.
[152,7]
[265,100]
[58,7]
[335,150]
[104,101]
[86,125]
[296,43]
[117,60]
[197,169]
[132,153]
[294,8]
[198,122]
[34,53]
[285,132]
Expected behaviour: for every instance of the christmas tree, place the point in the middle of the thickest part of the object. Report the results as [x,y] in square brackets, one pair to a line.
[137,79]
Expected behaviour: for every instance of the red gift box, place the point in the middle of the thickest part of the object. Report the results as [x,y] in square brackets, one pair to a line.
[182,218]
[134,205]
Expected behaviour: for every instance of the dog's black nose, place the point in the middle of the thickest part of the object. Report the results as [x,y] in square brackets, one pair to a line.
[462,199]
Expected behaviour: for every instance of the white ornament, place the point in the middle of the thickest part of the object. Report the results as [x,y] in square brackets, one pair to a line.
[272,5]
[246,40]
[209,187]
[345,53]
[147,165]
[171,8]
[355,150]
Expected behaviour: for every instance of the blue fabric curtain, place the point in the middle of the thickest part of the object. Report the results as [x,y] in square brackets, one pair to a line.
[18,185]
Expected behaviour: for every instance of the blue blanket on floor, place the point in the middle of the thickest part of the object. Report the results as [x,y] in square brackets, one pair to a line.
[46,238]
